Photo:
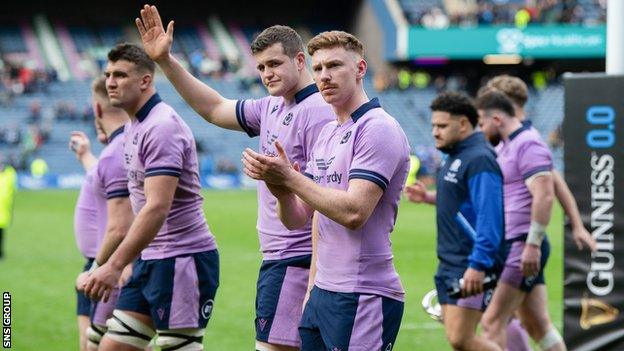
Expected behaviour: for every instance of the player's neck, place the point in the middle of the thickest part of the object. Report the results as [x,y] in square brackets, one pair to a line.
[519,111]
[147,94]
[344,111]
[113,125]
[304,80]
[511,126]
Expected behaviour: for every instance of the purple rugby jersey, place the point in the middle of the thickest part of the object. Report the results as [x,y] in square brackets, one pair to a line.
[111,180]
[371,146]
[86,216]
[158,142]
[523,155]
[296,126]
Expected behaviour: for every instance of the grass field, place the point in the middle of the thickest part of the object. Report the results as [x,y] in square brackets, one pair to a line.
[42,262]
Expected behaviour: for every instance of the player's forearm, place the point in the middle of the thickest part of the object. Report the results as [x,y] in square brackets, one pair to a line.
[202,98]
[88,160]
[337,205]
[115,233]
[293,213]
[541,207]
[143,230]
[567,201]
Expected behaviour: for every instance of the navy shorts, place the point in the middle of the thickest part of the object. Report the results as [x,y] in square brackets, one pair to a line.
[281,289]
[512,273]
[349,321]
[444,279]
[177,292]
[83,305]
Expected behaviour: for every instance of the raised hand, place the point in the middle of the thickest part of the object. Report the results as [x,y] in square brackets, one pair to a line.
[156,42]
[79,143]
[279,190]
[271,169]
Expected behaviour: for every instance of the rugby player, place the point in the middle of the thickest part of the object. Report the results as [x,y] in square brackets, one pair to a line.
[469,215]
[176,273]
[354,180]
[294,112]
[527,166]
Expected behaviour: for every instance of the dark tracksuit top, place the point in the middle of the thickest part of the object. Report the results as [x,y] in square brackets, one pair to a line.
[469,200]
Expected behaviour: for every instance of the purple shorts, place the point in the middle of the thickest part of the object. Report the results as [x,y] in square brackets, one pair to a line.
[281,288]
[512,273]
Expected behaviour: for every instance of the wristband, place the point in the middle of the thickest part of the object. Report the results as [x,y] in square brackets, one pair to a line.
[93,267]
[537,233]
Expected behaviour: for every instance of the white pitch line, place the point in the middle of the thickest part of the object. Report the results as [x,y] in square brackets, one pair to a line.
[422,326]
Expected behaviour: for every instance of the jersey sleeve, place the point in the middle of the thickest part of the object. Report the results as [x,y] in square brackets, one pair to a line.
[534,157]
[485,186]
[378,151]
[164,149]
[112,176]
[249,114]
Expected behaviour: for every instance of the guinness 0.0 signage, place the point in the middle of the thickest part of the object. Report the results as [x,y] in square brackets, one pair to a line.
[593,131]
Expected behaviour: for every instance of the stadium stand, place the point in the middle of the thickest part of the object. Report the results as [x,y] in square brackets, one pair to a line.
[410,107]
[487,12]
[216,50]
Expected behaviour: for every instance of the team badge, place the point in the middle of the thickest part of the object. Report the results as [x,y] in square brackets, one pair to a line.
[345,138]
[287,119]
[206,309]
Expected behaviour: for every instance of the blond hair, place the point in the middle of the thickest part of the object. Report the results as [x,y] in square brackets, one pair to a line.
[335,38]
[98,87]
[515,89]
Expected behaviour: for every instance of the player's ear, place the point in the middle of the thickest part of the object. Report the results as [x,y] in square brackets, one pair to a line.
[98,110]
[497,119]
[362,66]
[464,123]
[146,80]
[300,61]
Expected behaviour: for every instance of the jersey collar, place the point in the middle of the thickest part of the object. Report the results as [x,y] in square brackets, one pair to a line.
[361,111]
[149,105]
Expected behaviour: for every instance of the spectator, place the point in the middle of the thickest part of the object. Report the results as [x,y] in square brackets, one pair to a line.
[435,19]
[225,166]
[38,168]
[405,79]
[8,188]
[13,135]
[35,112]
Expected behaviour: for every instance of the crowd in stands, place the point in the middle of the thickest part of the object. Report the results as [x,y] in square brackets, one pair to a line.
[16,78]
[517,12]
[404,78]
[22,141]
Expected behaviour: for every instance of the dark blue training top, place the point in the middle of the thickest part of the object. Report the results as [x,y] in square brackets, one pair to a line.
[470,215]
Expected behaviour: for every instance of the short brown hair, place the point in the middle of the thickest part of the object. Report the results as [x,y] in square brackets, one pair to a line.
[132,53]
[288,37]
[335,38]
[515,89]
[495,100]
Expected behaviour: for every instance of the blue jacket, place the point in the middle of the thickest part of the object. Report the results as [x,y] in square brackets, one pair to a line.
[470,215]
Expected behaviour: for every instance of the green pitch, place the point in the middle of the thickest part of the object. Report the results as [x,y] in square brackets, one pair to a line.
[42,262]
